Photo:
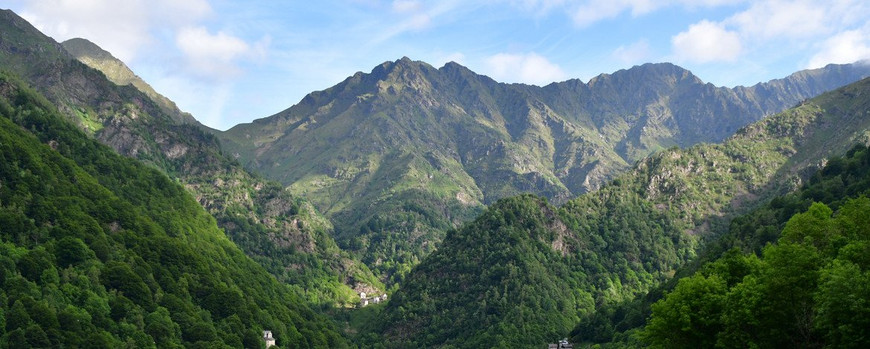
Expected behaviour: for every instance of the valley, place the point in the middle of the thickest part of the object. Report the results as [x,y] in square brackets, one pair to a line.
[642,208]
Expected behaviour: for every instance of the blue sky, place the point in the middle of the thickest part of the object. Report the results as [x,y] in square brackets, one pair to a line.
[229,62]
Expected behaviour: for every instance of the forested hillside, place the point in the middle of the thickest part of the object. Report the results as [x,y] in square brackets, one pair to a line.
[281,231]
[609,246]
[809,288]
[397,156]
[842,179]
[99,250]
[126,223]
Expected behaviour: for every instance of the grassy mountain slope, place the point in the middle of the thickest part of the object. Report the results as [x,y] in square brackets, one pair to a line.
[279,230]
[612,244]
[99,250]
[369,149]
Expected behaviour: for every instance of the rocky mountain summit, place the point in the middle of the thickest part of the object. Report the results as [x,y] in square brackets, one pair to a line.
[401,154]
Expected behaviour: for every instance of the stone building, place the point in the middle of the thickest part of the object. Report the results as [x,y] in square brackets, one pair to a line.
[267,337]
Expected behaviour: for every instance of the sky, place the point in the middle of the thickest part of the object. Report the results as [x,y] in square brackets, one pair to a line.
[230,62]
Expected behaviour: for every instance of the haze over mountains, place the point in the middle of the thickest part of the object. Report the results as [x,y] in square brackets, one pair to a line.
[497,214]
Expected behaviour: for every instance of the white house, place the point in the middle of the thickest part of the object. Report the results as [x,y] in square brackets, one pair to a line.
[267,337]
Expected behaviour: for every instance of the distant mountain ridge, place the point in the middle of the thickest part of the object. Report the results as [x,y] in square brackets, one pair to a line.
[408,133]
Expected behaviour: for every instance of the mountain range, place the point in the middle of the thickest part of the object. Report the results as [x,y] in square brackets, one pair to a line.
[643,208]
[398,156]
[525,271]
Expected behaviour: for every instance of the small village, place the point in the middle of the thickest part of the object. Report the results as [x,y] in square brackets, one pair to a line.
[563,344]
[364,301]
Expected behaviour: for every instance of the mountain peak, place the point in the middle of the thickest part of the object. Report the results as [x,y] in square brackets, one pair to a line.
[80,47]
[453,66]
[116,71]
[403,63]
[403,72]
[649,72]
[23,42]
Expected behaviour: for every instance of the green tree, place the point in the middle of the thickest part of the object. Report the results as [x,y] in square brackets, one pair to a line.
[36,337]
[34,262]
[70,251]
[120,276]
[844,305]
[17,339]
[814,227]
[159,325]
[689,317]
[17,317]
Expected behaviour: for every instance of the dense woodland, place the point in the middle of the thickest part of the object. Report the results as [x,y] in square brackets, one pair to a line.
[799,223]
[808,288]
[99,250]
[282,232]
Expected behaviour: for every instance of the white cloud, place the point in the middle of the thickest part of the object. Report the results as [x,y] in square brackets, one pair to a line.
[828,25]
[706,42]
[529,68]
[130,28]
[798,19]
[692,4]
[777,19]
[637,52]
[846,47]
[123,28]
[790,24]
[117,28]
[412,15]
[212,55]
